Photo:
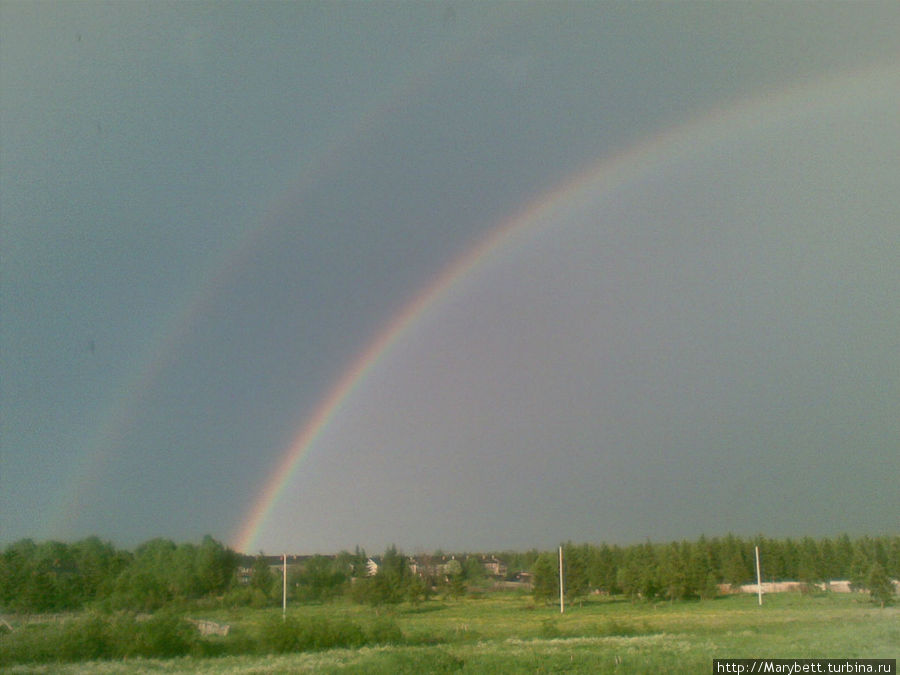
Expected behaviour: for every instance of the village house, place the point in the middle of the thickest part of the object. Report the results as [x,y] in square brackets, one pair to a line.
[431,567]
[494,567]
[275,563]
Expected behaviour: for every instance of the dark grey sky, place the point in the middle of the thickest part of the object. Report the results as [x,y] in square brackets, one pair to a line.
[210,210]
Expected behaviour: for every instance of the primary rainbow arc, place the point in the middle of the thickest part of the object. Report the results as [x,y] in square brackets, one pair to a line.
[597,182]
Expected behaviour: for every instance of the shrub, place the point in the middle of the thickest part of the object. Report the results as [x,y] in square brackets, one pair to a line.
[85,639]
[385,632]
[280,636]
[341,633]
[162,635]
[28,644]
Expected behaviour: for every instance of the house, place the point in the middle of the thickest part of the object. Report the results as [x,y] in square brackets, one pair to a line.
[431,567]
[493,566]
[373,564]
[274,562]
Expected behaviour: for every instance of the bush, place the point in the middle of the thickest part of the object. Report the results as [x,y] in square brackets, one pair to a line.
[205,648]
[385,632]
[75,640]
[342,633]
[28,644]
[280,636]
[164,636]
[85,639]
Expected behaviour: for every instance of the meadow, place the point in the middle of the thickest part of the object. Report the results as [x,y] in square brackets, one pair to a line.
[507,632]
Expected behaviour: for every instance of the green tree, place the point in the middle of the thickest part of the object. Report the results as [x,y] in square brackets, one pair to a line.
[859,569]
[149,581]
[262,578]
[98,564]
[843,553]
[702,569]
[650,586]
[320,579]
[182,577]
[602,568]
[828,558]
[15,566]
[352,564]
[453,568]
[474,571]
[639,572]
[40,592]
[673,573]
[390,585]
[417,590]
[879,585]
[629,573]
[545,577]
[575,573]
[456,578]
[215,566]
[790,556]
[810,564]
[893,568]
[735,567]
[395,574]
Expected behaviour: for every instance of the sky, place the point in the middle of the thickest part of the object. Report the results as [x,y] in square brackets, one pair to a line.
[469,276]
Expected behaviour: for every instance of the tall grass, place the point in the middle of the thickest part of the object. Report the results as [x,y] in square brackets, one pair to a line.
[165,635]
[496,634]
[93,637]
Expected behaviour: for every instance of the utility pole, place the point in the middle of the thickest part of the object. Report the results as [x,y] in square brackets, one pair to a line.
[284,587]
[562,605]
[758,577]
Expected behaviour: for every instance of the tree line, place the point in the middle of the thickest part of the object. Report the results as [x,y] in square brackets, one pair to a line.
[683,570]
[55,576]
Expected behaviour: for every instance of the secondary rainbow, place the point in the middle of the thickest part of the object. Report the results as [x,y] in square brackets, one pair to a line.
[161,347]
[597,182]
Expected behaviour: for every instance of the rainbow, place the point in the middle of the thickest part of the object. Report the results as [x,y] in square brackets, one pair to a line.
[160,349]
[596,182]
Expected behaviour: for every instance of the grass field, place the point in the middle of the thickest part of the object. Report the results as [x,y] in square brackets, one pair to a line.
[507,633]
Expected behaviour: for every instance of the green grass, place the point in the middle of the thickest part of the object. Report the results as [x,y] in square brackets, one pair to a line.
[507,633]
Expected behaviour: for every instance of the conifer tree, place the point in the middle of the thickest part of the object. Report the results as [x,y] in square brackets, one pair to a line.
[545,577]
[879,585]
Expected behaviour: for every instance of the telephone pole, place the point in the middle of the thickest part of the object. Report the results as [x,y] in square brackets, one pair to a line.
[758,577]
[284,587]
[562,604]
